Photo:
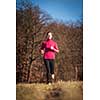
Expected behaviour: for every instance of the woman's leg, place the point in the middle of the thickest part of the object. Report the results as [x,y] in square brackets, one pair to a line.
[52,68]
[47,65]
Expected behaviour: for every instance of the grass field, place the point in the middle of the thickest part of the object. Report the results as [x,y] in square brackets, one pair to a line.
[71,90]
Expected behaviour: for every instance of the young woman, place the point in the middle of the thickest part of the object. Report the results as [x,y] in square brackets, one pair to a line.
[48,49]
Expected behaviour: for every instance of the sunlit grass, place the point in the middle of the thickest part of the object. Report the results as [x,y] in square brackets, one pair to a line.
[71,90]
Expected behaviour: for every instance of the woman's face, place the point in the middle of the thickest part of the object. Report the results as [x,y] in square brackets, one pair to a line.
[49,36]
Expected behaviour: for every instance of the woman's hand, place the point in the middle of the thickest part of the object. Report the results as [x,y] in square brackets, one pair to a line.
[42,52]
[52,48]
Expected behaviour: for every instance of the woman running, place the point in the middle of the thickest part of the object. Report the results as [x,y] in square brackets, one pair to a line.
[48,49]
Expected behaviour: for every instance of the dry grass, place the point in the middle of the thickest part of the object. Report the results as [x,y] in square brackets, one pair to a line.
[71,90]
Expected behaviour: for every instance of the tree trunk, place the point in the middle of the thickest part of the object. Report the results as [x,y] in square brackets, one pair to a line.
[76,73]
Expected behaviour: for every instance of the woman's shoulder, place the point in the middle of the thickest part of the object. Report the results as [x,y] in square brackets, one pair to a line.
[44,42]
[54,42]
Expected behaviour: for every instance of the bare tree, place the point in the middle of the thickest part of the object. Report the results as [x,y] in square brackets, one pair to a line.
[30,21]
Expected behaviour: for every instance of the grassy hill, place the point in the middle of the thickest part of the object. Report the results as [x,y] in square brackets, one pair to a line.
[71,90]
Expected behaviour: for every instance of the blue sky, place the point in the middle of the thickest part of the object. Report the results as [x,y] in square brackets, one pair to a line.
[65,10]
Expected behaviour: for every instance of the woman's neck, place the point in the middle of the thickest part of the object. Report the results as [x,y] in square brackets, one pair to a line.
[49,39]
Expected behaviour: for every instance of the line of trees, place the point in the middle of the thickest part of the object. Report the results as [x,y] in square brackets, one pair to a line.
[31,25]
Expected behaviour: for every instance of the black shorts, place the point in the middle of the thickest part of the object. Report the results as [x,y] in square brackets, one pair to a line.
[49,63]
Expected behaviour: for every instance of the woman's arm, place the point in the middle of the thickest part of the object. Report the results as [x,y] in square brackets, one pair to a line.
[54,49]
[42,48]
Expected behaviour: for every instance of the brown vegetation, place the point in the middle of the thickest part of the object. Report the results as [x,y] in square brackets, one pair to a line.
[32,24]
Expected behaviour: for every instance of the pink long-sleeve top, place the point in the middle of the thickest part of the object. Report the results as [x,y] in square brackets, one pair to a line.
[46,46]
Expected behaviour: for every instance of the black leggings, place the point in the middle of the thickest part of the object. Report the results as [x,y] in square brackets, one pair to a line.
[49,64]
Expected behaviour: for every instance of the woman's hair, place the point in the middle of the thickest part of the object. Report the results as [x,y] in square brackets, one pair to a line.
[48,33]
